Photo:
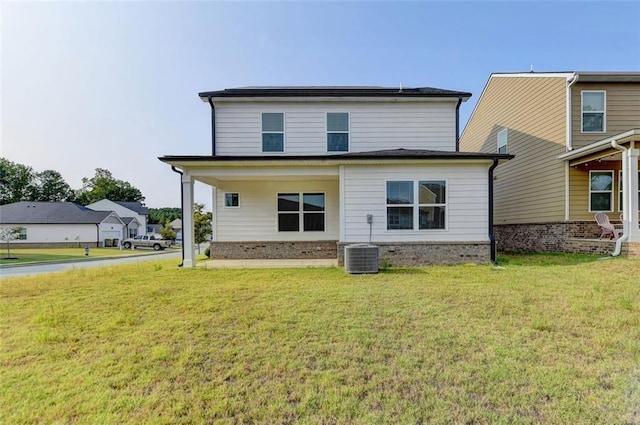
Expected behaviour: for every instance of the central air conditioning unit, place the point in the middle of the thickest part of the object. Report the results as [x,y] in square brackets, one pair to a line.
[361,258]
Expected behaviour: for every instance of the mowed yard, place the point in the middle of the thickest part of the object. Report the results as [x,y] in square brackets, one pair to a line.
[547,339]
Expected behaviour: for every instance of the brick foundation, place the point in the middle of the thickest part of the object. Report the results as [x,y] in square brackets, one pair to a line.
[427,253]
[273,250]
[30,245]
[571,237]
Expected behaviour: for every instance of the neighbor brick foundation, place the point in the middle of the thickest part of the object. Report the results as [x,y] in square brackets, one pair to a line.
[572,237]
[427,253]
[28,245]
[273,250]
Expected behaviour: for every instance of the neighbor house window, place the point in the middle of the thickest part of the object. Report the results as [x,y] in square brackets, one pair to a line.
[337,132]
[593,111]
[502,141]
[231,200]
[601,191]
[273,132]
[133,233]
[620,189]
[22,234]
[308,215]
[416,205]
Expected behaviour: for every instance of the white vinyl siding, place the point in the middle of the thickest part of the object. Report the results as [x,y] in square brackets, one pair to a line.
[59,233]
[466,202]
[257,220]
[372,126]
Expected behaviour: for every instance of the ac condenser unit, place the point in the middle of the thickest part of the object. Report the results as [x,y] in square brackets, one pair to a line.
[361,258]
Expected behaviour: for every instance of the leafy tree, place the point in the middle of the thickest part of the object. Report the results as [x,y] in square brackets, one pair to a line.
[201,224]
[162,215]
[9,234]
[51,187]
[104,186]
[167,231]
[17,182]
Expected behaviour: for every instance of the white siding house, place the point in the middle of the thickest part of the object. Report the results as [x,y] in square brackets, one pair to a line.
[301,172]
[128,211]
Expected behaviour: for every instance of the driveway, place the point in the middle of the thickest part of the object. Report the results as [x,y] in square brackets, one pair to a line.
[83,264]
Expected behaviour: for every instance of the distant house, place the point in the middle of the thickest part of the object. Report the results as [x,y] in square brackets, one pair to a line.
[575,137]
[302,172]
[154,228]
[126,210]
[62,224]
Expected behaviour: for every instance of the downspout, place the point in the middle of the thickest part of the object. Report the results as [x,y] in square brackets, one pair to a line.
[97,235]
[458,124]
[181,209]
[625,197]
[492,237]
[569,141]
[213,127]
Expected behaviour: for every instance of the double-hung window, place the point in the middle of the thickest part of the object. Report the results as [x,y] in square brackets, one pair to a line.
[308,215]
[600,191]
[621,188]
[502,141]
[273,132]
[417,205]
[337,132]
[594,111]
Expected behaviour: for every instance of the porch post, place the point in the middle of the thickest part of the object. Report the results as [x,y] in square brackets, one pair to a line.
[188,259]
[631,183]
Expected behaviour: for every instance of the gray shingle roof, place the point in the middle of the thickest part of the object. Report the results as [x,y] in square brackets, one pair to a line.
[134,206]
[49,213]
[342,91]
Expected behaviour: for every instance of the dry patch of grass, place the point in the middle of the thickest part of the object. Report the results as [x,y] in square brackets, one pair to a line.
[542,341]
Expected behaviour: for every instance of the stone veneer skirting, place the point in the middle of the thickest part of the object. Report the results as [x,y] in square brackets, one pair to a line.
[570,237]
[427,253]
[273,250]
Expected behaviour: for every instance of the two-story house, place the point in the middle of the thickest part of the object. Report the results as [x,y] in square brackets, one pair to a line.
[575,137]
[300,172]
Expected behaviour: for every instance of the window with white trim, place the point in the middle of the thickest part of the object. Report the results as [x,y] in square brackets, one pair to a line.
[273,132]
[337,132]
[420,205]
[620,189]
[600,191]
[502,140]
[21,234]
[308,215]
[594,111]
[231,200]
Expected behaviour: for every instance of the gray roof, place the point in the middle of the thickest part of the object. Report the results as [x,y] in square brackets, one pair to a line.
[127,220]
[333,91]
[134,206]
[50,213]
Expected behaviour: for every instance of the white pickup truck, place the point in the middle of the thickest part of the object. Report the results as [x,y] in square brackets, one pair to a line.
[148,241]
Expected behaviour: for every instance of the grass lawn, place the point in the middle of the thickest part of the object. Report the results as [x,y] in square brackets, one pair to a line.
[52,254]
[547,339]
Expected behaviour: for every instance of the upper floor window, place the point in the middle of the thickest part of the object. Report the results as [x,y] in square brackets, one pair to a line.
[337,132]
[273,132]
[427,210]
[594,111]
[502,141]
[600,191]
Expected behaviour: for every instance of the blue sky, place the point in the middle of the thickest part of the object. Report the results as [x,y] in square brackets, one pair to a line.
[114,84]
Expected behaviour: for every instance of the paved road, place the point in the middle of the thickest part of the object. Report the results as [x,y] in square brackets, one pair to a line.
[51,268]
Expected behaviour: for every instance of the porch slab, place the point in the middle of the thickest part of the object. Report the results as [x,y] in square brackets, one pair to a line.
[268,263]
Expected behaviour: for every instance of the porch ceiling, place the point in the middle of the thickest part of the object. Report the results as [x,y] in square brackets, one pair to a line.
[602,150]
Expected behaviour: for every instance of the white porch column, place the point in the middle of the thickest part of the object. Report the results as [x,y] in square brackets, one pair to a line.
[342,207]
[631,193]
[189,259]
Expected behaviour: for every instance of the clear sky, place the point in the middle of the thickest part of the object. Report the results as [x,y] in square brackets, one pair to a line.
[114,84]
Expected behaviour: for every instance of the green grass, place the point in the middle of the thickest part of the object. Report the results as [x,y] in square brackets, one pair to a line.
[55,254]
[547,339]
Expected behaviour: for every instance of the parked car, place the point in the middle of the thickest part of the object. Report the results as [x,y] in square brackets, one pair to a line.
[154,241]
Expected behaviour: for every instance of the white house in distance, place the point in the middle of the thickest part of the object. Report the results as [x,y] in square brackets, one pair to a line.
[128,211]
[301,172]
[63,224]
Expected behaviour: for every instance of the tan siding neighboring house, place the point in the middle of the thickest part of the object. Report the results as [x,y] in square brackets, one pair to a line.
[532,109]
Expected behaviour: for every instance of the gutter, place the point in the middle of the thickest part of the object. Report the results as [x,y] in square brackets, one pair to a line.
[492,237]
[213,127]
[625,197]
[458,123]
[181,209]
[569,141]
